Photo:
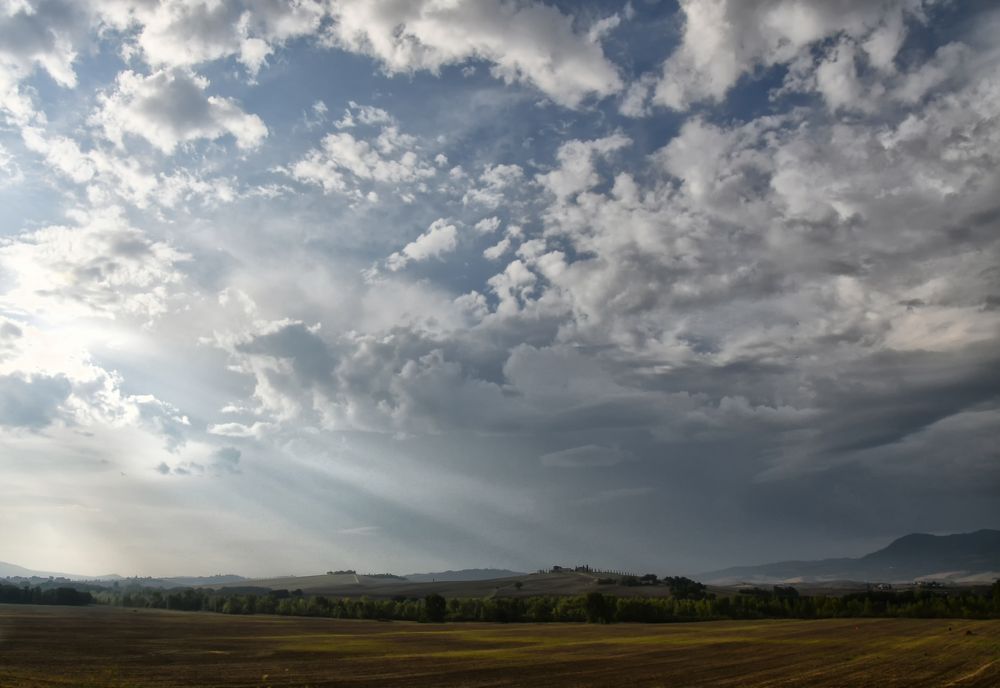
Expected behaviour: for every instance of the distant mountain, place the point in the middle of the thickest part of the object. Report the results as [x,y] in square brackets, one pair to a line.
[961,557]
[462,575]
[14,571]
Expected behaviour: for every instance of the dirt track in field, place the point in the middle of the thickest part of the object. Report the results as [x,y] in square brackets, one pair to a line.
[100,646]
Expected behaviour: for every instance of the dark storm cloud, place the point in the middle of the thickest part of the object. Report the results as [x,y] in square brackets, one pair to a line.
[895,394]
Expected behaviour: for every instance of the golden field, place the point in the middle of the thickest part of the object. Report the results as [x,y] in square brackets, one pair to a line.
[104,646]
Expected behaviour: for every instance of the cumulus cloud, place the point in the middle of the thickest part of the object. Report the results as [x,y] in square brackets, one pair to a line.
[724,40]
[576,164]
[356,114]
[42,34]
[439,239]
[101,266]
[170,107]
[38,35]
[51,382]
[496,184]
[525,42]
[497,250]
[488,225]
[344,162]
[178,33]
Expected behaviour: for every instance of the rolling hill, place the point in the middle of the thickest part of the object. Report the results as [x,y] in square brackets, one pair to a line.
[8,570]
[461,575]
[963,557]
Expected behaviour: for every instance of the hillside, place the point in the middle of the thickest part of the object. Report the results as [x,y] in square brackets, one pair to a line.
[8,570]
[561,583]
[461,575]
[963,557]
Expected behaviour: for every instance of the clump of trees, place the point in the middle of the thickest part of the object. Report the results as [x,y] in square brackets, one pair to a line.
[686,589]
[14,594]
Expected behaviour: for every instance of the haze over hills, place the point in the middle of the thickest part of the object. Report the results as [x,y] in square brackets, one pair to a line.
[8,570]
[963,557]
[462,575]
[959,558]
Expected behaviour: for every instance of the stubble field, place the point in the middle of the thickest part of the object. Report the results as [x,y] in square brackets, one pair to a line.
[101,646]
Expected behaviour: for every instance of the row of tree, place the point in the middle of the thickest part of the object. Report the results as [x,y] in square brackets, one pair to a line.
[17,594]
[594,607]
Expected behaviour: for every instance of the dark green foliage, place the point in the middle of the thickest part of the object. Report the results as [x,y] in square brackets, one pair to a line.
[435,608]
[12,594]
[685,589]
[787,591]
[692,604]
[600,608]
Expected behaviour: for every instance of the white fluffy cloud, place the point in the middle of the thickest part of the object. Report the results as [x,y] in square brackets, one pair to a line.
[439,239]
[576,164]
[41,34]
[344,162]
[99,267]
[524,42]
[724,40]
[496,184]
[170,107]
[182,33]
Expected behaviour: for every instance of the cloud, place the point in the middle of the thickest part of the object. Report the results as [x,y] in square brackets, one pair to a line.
[439,239]
[10,171]
[170,107]
[178,33]
[586,456]
[344,162]
[46,35]
[497,250]
[488,225]
[616,494]
[525,42]
[778,300]
[494,186]
[257,429]
[724,40]
[110,176]
[99,267]
[222,461]
[576,164]
[31,402]
[356,114]
[41,34]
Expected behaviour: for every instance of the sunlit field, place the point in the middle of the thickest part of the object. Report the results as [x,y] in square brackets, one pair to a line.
[101,646]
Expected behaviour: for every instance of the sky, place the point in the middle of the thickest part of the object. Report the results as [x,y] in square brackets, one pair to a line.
[292,286]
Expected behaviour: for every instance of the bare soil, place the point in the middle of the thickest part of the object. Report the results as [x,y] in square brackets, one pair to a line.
[102,646]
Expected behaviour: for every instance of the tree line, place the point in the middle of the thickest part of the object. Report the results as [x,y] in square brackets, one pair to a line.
[17,594]
[594,607]
[689,601]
